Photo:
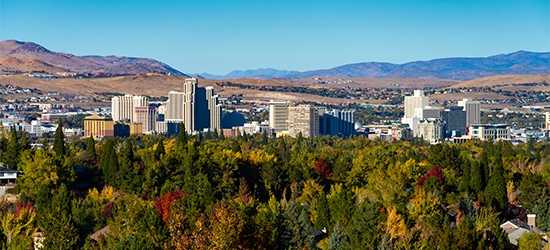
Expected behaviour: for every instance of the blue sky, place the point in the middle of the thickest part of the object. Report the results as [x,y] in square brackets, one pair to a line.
[220,36]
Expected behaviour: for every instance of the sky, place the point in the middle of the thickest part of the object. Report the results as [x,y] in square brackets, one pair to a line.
[220,36]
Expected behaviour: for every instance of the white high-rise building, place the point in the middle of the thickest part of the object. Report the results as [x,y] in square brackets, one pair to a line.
[278,116]
[122,107]
[417,100]
[547,120]
[472,108]
[174,107]
[427,112]
[214,108]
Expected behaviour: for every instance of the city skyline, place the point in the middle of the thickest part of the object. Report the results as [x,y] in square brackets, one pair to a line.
[218,37]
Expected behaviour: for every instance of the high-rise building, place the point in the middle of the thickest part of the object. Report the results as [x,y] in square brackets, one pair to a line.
[174,107]
[278,116]
[547,120]
[196,107]
[472,108]
[336,122]
[214,108]
[417,100]
[427,112]
[455,121]
[122,107]
[147,117]
[303,119]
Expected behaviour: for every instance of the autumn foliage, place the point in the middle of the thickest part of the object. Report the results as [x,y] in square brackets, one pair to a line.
[436,172]
[162,203]
[323,168]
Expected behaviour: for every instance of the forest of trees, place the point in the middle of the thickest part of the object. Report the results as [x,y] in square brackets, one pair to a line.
[254,192]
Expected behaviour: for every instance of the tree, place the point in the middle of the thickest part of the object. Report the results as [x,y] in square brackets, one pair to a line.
[464,185]
[364,229]
[337,239]
[495,193]
[322,220]
[59,140]
[56,222]
[19,226]
[90,146]
[108,163]
[11,156]
[529,241]
[477,177]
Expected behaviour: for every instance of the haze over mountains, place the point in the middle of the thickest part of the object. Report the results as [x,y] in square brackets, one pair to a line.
[19,53]
[521,62]
[16,56]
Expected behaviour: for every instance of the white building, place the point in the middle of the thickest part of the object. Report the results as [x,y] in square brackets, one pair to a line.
[431,130]
[174,107]
[122,107]
[489,131]
[417,100]
[472,108]
[303,119]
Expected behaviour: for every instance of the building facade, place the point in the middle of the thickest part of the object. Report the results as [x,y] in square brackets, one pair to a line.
[473,113]
[98,126]
[489,131]
[278,116]
[431,130]
[122,107]
[303,119]
[455,121]
[417,100]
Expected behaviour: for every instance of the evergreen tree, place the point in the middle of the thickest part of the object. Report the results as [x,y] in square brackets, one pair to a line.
[495,193]
[323,213]
[464,235]
[109,163]
[337,239]
[24,143]
[11,156]
[159,151]
[90,146]
[59,140]
[56,222]
[465,180]
[364,227]
[182,137]
[476,177]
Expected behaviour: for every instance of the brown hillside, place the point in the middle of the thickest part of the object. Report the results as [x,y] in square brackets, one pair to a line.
[29,66]
[502,80]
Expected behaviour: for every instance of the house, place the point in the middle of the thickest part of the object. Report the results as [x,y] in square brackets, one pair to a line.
[8,175]
[515,228]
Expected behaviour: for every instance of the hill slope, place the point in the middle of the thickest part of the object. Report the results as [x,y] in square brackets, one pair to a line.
[82,64]
[521,62]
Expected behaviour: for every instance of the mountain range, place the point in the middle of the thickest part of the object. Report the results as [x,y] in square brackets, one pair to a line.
[21,56]
[16,56]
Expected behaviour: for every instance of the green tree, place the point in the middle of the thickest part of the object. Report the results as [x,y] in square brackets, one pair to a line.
[11,156]
[364,227]
[90,146]
[322,220]
[477,177]
[337,239]
[59,140]
[530,241]
[464,185]
[56,222]
[108,163]
[495,193]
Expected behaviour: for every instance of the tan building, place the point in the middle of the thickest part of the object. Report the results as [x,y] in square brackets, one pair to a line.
[147,117]
[473,113]
[304,119]
[122,107]
[98,126]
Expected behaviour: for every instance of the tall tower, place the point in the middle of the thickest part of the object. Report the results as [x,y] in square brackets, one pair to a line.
[214,108]
[174,107]
[278,112]
[189,91]
[472,108]
[417,100]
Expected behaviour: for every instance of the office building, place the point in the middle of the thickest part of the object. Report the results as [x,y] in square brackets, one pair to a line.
[278,113]
[417,100]
[489,131]
[147,117]
[472,108]
[336,122]
[303,119]
[547,120]
[174,107]
[431,130]
[122,107]
[427,112]
[455,121]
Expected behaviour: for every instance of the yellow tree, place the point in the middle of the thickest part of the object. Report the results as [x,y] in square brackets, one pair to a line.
[395,226]
[19,227]
[423,205]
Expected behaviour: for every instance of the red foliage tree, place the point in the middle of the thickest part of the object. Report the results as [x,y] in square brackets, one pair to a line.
[20,206]
[436,172]
[163,203]
[323,168]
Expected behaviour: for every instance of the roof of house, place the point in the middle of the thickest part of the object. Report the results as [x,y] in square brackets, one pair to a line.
[8,170]
[101,232]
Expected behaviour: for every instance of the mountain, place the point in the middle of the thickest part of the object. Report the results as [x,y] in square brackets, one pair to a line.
[521,62]
[24,51]
[266,73]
